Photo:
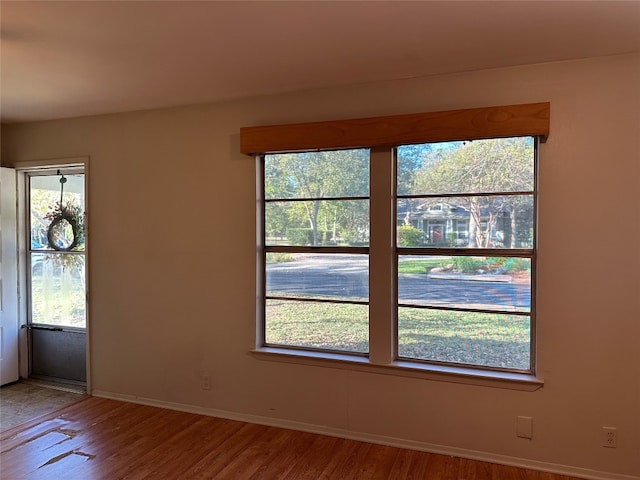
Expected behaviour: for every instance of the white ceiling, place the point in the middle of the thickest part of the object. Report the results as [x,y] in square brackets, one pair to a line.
[65,59]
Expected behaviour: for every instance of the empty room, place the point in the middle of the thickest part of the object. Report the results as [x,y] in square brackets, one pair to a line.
[321,239]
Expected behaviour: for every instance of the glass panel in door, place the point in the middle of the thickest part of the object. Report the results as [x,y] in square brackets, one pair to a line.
[57,265]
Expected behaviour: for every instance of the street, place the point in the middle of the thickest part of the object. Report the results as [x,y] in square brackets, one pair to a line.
[345,277]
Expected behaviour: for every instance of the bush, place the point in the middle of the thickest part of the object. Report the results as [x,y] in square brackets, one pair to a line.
[467,264]
[304,236]
[299,236]
[279,257]
[409,236]
[498,264]
[516,265]
[351,236]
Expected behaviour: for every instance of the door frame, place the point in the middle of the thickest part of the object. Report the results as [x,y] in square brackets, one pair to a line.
[22,169]
[9,325]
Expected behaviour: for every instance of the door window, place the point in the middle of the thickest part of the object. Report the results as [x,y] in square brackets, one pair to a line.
[56,253]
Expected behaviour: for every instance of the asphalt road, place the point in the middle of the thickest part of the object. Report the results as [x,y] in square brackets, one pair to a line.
[346,278]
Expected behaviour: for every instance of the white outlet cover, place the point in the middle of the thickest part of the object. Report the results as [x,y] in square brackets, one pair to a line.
[524,427]
[609,437]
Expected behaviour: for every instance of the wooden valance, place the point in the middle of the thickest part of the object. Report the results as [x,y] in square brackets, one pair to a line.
[468,124]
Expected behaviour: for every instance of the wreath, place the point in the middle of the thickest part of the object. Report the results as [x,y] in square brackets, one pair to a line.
[73,215]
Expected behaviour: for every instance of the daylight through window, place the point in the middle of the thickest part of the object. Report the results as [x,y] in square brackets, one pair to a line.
[316,236]
[442,233]
[465,244]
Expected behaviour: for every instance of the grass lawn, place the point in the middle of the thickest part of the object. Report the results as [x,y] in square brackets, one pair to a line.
[492,340]
[342,327]
[420,265]
[486,339]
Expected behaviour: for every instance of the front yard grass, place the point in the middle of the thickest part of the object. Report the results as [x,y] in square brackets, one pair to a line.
[491,340]
[486,339]
[342,327]
[420,266]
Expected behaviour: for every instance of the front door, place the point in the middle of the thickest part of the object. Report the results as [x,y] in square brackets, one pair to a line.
[9,371]
[56,275]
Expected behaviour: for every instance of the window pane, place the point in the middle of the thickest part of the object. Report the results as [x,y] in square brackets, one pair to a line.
[325,326]
[342,173]
[335,222]
[305,275]
[478,166]
[44,198]
[58,289]
[491,340]
[501,221]
[494,283]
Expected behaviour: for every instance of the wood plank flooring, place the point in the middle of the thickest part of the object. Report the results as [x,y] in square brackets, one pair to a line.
[96,439]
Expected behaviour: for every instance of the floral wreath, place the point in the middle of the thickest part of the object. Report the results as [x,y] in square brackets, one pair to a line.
[72,214]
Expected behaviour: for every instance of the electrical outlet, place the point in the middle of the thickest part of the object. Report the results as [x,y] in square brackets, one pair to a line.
[205,381]
[609,437]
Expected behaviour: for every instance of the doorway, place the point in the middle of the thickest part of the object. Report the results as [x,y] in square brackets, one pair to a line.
[9,354]
[55,274]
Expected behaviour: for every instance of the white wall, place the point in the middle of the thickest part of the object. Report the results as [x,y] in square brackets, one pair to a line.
[172,274]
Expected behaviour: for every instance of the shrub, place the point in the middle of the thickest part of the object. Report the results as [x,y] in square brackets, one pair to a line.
[299,236]
[304,236]
[409,236]
[498,264]
[516,265]
[279,257]
[467,264]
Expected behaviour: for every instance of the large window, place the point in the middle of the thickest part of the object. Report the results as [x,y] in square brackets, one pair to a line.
[407,252]
[316,237]
[465,246]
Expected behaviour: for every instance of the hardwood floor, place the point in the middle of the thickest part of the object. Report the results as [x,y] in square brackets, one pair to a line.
[96,439]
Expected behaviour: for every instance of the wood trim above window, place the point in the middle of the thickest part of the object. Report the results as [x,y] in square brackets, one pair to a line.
[530,119]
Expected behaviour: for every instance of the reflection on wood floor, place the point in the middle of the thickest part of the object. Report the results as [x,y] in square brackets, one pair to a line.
[106,439]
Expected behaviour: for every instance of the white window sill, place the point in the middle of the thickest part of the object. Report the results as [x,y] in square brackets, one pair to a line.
[442,373]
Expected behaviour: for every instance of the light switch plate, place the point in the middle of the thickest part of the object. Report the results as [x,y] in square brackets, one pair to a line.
[524,427]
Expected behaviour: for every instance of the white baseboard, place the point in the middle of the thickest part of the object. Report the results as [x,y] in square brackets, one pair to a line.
[377,439]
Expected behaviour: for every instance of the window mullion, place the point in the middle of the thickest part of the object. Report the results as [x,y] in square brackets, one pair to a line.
[381,258]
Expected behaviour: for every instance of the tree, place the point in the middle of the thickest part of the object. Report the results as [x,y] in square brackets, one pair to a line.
[477,167]
[411,158]
[309,179]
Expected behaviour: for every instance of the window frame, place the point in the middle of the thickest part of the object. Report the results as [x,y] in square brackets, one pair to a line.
[266,249]
[526,253]
[381,135]
[71,169]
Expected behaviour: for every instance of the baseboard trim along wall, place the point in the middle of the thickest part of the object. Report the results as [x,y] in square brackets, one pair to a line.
[377,439]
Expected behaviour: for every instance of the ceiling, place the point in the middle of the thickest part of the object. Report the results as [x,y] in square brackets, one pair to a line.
[66,59]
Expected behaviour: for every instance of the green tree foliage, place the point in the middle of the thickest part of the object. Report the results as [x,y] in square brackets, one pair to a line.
[305,183]
[411,159]
[483,166]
